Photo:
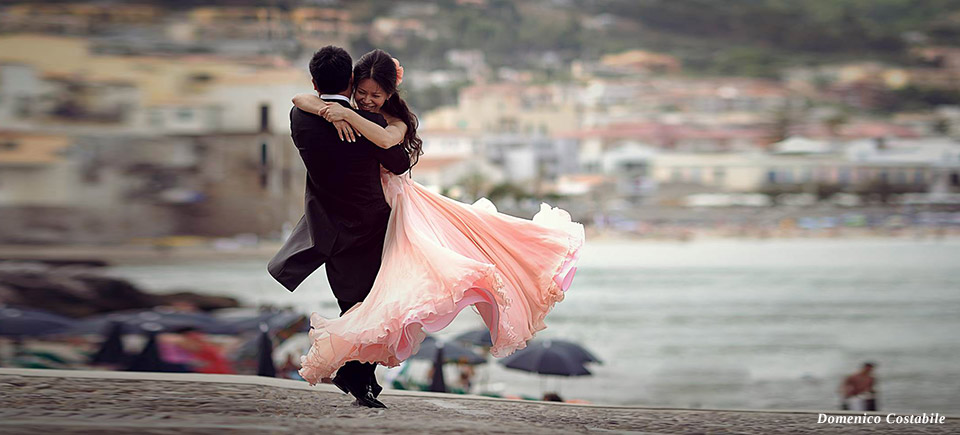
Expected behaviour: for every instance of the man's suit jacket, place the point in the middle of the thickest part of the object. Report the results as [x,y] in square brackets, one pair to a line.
[344,204]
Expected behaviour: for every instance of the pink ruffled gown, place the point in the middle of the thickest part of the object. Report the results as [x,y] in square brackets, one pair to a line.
[440,256]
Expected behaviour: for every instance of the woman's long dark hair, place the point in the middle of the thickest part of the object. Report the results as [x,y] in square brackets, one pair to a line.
[379,66]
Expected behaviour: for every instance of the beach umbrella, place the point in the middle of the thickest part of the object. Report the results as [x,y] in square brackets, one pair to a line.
[250,321]
[477,337]
[546,359]
[452,352]
[111,350]
[438,385]
[574,350]
[20,322]
[133,322]
[265,366]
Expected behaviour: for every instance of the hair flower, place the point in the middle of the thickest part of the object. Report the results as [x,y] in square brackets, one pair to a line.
[399,71]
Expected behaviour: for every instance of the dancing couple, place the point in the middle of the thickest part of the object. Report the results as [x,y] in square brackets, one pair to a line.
[402,260]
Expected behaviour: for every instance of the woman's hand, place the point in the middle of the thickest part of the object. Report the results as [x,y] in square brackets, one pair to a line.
[345,130]
[334,112]
[337,115]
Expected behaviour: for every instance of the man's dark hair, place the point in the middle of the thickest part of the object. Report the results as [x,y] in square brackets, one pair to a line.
[331,67]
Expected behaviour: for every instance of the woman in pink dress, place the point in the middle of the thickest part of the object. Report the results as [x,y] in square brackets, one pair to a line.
[439,255]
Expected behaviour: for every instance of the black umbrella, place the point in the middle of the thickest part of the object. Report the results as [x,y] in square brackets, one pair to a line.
[478,337]
[111,350]
[452,352]
[18,322]
[545,359]
[265,366]
[275,320]
[574,350]
[133,321]
[438,385]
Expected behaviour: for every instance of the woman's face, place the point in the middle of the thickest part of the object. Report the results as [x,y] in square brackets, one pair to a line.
[369,95]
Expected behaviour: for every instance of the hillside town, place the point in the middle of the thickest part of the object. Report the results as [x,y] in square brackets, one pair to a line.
[121,122]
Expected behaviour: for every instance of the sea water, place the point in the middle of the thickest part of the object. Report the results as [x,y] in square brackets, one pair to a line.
[766,324]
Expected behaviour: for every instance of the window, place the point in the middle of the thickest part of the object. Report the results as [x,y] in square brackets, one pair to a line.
[787,175]
[22,107]
[185,115]
[844,175]
[695,174]
[155,118]
[719,173]
[900,176]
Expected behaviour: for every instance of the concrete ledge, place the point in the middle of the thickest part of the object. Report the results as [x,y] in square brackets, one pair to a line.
[329,388]
[83,402]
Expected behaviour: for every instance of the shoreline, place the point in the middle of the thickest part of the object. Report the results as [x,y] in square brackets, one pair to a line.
[141,254]
[83,401]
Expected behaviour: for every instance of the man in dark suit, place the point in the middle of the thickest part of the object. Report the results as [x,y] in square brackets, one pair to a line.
[345,212]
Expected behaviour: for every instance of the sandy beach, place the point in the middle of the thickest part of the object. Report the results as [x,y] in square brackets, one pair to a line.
[73,402]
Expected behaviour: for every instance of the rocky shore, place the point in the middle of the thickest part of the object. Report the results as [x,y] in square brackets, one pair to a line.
[73,402]
[80,289]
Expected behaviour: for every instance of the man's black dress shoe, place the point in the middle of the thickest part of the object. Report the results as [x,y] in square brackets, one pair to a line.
[375,388]
[364,395]
[369,401]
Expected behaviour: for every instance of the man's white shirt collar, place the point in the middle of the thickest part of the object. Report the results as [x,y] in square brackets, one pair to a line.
[334,97]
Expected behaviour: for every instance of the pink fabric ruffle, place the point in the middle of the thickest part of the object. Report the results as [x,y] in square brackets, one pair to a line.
[441,256]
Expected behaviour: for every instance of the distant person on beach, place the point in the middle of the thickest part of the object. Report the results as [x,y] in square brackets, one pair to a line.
[858,390]
[400,258]
[466,374]
[552,397]
[190,348]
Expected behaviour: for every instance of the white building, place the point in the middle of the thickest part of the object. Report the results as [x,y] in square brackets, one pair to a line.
[916,162]
[533,158]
